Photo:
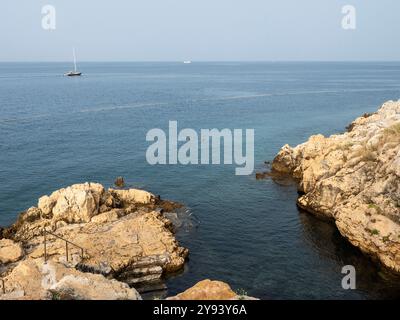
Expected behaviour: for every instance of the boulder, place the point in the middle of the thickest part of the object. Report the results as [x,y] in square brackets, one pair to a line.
[10,251]
[30,279]
[91,287]
[207,290]
[35,280]
[46,205]
[75,204]
[134,196]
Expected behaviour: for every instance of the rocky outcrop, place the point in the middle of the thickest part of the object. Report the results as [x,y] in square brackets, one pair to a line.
[75,204]
[354,179]
[35,280]
[210,290]
[91,287]
[78,203]
[118,234]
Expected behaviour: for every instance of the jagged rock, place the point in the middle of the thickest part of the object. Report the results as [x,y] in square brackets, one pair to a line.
[134,196]
[169,206]
[120,244]
[74,204]
[35,280]
[119,182]
[46,205]
[79,203]
[210,290]
[92,287]
[10,251]
[354,179]
[129,241]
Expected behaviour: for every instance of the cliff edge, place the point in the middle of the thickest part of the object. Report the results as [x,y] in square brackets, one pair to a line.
[354,179]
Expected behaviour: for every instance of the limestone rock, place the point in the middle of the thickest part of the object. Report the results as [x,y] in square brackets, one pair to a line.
[35,280]
[118,245]
[134,196]
[79,203]
[75,204]
[46,205]
[10,251]
[108,216]
[129,239]
[121,234]
[92,287]
[354,179]
[30,279]
[207,290]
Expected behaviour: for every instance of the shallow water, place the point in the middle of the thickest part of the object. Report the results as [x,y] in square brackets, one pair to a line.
[56,131]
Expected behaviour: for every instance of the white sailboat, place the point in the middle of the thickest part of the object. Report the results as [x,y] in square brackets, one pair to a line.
[75,72]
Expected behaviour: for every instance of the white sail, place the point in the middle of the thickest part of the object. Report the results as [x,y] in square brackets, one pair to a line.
[73,52]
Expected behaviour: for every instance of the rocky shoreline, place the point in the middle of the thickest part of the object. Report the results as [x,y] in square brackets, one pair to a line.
[84,242]
[115,238]
[353,179]
[88,242]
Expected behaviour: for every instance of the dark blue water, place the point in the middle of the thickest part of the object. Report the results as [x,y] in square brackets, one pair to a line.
[56,131]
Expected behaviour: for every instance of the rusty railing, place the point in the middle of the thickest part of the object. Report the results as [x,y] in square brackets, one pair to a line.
[67,242]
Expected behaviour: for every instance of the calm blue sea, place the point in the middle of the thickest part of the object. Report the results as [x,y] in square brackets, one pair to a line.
[56,131]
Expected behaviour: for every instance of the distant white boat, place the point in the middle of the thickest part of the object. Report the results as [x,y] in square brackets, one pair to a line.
[75,72]
[187,62]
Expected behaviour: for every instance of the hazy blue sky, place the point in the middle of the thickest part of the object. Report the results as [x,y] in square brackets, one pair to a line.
[166,30]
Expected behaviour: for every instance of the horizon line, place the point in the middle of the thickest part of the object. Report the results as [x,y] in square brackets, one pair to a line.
[193,61]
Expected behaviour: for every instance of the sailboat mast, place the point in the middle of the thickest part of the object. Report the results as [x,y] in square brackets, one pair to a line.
[73,52]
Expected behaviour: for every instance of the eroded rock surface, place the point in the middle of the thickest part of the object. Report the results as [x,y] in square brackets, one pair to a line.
[210,290]
[91,287]
[10,251]
[35,280]
[354,179]
[119,234]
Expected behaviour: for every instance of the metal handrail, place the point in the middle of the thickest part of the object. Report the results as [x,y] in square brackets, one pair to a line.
[45,232]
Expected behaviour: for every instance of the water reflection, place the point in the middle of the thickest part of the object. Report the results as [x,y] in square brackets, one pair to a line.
[328,243]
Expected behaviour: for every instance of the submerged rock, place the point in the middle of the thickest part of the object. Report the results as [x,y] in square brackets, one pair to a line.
[119,234]
[354,179]
[119,182]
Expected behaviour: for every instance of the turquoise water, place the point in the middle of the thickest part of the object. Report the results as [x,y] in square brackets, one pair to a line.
[56,131]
